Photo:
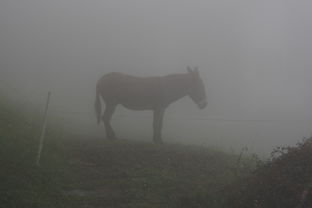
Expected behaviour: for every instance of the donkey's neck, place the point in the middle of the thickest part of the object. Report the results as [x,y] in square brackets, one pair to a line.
[176,86]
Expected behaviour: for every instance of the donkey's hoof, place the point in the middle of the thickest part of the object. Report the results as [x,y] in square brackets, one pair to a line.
[112,138]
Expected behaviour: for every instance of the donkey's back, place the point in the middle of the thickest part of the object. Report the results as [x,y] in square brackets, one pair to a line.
[150,93]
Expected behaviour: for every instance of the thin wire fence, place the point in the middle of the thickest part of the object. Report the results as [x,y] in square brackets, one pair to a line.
[36,99]
[251,132]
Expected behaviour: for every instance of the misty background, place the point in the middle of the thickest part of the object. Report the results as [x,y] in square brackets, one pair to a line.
[254,58]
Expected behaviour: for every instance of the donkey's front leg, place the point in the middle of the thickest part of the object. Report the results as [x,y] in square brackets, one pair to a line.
[157,124]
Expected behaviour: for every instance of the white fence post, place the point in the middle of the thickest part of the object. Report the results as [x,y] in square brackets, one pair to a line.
[43,130]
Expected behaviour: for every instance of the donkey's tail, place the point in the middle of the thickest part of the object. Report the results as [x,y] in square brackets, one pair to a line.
[98,105]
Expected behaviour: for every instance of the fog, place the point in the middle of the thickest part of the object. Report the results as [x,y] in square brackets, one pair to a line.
[254,58]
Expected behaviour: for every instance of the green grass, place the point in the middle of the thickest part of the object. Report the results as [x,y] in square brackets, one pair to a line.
[79,172]
[22,183]
[93,172]
[137,174]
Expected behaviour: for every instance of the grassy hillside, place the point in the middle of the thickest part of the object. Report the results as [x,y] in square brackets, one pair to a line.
[93,172]
[136,174]
[22,183]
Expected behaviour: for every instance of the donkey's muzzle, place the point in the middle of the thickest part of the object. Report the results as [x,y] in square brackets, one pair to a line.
[202,104]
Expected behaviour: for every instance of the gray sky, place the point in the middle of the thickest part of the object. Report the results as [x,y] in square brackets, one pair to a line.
[254,56]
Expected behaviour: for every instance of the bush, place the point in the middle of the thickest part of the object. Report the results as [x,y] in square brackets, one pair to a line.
[283,181]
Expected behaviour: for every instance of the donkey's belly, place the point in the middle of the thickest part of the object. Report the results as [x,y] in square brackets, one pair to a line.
[139,98]
[138,106]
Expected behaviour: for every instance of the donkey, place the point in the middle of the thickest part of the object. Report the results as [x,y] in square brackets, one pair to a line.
[148,93]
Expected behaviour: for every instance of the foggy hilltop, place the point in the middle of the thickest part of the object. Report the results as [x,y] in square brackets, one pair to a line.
[254,58]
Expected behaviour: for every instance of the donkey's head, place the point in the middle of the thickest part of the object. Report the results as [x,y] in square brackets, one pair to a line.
[197,90]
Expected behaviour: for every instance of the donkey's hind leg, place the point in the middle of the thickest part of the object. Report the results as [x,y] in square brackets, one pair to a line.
[109,110]
[157,125]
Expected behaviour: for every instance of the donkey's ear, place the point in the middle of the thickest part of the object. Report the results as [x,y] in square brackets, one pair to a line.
[189,70]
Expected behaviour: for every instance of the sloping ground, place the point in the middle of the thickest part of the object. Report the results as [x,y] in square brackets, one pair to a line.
[93,172]
[101,173]
[22,184]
